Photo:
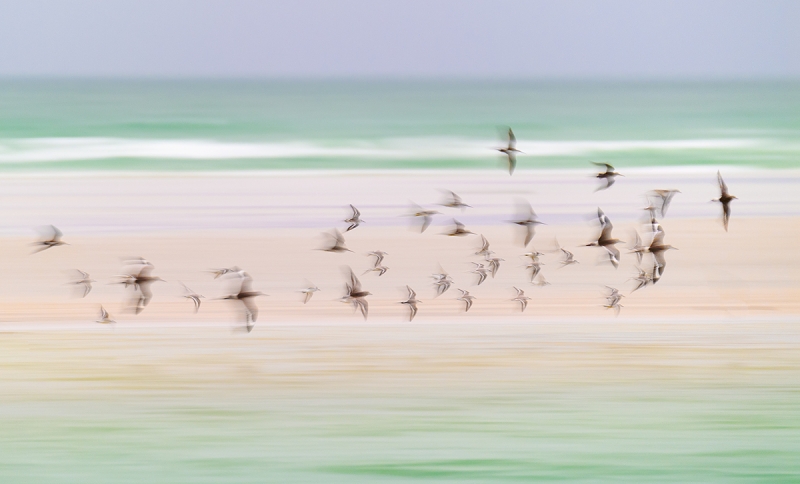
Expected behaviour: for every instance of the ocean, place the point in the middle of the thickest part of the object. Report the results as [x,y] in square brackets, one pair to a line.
[127,125]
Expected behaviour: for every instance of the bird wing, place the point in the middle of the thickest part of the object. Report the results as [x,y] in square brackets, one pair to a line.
[250,307]
[726,214]
[459,225]
[147,293]
[520,292]
[103,312]
[411,293]
[608,167]
[722,186]
[512,162]
[56,233]
[484,243]
[355,284]
[426,222]
[87,288]
[658,238]
[529,234]
[363,305]
[512,140]
[338,237]
[356,213]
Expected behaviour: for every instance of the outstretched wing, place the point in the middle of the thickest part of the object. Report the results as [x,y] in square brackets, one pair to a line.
[512,140]
[722,186]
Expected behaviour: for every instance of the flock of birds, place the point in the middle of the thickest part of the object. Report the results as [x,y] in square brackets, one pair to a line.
[137,273]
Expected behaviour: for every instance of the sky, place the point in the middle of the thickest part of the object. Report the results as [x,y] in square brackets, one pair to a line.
[506,39]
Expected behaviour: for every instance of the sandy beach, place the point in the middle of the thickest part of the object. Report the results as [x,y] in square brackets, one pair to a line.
[272,226]
[701,367]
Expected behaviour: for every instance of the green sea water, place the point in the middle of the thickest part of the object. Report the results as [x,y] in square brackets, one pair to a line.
[330,125]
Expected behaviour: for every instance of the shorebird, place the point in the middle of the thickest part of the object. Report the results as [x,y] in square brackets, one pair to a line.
[534,267]
[725,199]
[193,296]
[484,250]
[459,230]
[309,291]
[141,281]
[657,248]
[411,302]
[481,271]
[53,241]
[338,242]
[454,201]
[521,298]
[466,298]
[511,151]
[569,257]
[105,318]
[605,240]
[354,220]
[642,279]
[494,264]
[356,295]
[663,197]
[529,221]
[85,281]
[609,175]
[426,215]
[614,296]
[379,255]
[245,294]
[442,281]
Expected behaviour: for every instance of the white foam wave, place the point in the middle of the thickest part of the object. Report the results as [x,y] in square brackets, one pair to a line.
[80,149]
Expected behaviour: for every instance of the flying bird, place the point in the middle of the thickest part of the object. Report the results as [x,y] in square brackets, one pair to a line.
[411,302]
[454,201]
[246,294]
[521,298]
[85,281]
[484,249]
[442,281]
[105,318]
[608,176]
[465,296]
[528,221]
[356,295]
[193,296]
[480,271]
[54,240]
[725,199]
[459,230]
[309,291]
[354,220]
[425,215]
[605,240]
[511,151]
[337,242]
[663,199]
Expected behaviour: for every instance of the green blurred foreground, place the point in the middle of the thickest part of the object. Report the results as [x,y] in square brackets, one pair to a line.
[603,401]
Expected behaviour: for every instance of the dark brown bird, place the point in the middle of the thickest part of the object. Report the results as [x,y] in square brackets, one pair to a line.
[608,176]
[657,248]
[605,240]
[725,199]
[355,294]
[245,294]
